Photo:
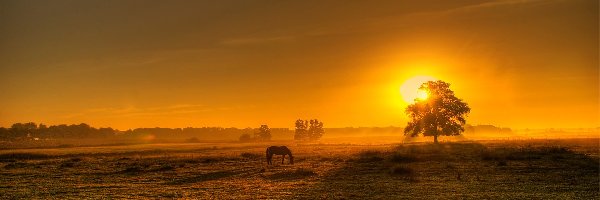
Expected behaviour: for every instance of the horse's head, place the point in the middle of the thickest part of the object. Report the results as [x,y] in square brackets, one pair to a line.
[291,159]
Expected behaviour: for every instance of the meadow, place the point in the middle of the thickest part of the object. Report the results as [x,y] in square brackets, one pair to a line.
[333,169]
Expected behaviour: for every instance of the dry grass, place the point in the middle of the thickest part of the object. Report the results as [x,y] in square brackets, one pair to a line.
[492,170]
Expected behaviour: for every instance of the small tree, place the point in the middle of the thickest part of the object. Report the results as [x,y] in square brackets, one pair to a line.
[301,132]
[308,129]
[441,113]
[315,130]
[264,133]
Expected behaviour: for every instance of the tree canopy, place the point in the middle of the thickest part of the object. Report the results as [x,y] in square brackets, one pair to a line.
[263,133]
[441,113]
[308,129]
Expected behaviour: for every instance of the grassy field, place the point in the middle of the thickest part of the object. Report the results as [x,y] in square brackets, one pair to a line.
[528,169]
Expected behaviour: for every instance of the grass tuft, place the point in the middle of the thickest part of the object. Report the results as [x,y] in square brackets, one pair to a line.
[250,155]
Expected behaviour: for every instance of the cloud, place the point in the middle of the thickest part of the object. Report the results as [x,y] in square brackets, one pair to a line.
[257,40]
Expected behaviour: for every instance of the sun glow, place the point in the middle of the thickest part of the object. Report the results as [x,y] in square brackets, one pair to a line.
[422,94]
[410,88]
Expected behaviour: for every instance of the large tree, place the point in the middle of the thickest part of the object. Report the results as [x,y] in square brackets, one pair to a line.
[441,113]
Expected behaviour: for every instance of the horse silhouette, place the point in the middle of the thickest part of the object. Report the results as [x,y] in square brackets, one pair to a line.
[279,150]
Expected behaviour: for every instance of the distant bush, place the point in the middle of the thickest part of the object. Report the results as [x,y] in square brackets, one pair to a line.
[192,140]
[245,137]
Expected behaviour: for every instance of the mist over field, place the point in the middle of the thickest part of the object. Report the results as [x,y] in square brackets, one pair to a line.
[31,135]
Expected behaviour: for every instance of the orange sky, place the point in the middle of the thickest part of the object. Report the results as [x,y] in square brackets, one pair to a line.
[126,64]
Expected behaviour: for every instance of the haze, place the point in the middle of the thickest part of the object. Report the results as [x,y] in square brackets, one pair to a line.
[126,64]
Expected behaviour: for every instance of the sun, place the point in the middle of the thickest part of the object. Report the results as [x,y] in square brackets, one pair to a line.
[410,88]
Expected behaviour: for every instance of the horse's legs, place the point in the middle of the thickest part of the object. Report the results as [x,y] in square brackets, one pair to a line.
[282,158]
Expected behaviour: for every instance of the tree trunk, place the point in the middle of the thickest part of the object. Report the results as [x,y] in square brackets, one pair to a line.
[435,139]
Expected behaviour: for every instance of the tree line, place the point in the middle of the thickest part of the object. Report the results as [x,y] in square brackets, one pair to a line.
[31,130]
[305,130]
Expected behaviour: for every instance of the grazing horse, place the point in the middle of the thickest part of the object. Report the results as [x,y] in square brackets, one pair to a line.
[279,150]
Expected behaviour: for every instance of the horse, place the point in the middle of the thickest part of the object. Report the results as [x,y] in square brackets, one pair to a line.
[279,150]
